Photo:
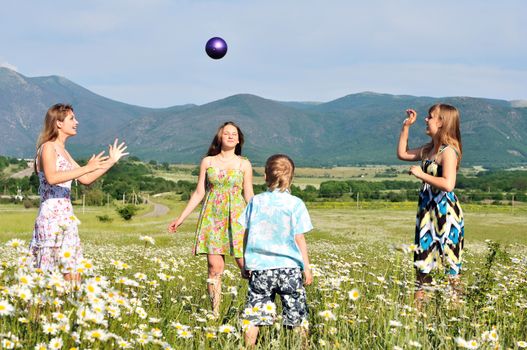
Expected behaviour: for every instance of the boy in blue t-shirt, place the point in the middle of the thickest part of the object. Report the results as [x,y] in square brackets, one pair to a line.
[276,251]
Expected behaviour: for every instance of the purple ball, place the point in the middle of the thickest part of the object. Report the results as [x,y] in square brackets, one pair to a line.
[216,48]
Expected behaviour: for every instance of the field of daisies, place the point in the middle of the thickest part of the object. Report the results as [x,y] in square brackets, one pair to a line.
[149,293]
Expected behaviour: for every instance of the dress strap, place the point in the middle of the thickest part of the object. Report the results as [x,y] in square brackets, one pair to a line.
[39,156]
[443,147]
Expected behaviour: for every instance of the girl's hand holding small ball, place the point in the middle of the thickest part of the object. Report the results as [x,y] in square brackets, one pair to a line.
[411,117]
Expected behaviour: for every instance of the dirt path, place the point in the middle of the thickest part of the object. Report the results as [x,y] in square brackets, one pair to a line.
[159,210]
[22,173]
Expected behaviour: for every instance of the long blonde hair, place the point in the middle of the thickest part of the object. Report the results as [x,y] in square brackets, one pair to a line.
[56,113]
[279,172]
[50,131]
[449,133]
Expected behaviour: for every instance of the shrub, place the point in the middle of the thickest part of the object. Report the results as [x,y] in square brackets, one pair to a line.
[30,203]
[104,218]
[127,211]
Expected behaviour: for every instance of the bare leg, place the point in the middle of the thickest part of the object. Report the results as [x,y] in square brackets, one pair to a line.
[304,336]
[74,280]
[72,277]
[216,265]
[241,264]
[456,287]
[250,336]
[420,296]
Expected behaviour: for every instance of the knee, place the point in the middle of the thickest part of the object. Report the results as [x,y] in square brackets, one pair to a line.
[215,270]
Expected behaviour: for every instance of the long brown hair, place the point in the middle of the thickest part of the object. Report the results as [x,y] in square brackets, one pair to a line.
[50,131]
[215,146]
[449,133]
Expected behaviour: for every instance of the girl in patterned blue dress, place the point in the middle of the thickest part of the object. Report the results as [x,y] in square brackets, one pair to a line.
[439,231]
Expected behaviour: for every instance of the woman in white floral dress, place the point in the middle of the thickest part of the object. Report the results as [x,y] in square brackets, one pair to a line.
[55,243]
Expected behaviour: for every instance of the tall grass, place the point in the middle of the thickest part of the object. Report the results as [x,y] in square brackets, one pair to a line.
[140,295]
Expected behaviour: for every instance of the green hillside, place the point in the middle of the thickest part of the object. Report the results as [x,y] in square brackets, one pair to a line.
[355,129]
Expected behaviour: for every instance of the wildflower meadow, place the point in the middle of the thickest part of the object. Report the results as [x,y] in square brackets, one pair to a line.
[142,289]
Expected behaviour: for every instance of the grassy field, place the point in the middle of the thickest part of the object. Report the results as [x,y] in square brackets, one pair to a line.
[314,176]
[139,295]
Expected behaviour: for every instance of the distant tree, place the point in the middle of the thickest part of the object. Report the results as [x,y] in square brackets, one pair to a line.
[309,194]
[4,163]
[94,196]
[127,212]
[333,189]
[34,182]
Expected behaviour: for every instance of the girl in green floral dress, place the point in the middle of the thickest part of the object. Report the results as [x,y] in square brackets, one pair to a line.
[224,185]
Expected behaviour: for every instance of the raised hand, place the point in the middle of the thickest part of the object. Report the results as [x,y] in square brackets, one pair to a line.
[98,161]
[117,151]
[411,117]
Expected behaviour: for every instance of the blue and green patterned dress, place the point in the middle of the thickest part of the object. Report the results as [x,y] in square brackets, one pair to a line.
[439,228]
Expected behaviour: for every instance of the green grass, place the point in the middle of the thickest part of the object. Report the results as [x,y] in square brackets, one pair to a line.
[372,220]
[350,249]
[309,176]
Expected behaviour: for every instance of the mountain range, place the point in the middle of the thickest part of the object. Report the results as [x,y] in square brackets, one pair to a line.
[360,128]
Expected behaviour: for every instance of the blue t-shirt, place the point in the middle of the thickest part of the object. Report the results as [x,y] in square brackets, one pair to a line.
[272,219]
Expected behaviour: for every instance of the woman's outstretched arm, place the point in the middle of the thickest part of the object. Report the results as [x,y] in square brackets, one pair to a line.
[115,152]
[195,198]
[48,163]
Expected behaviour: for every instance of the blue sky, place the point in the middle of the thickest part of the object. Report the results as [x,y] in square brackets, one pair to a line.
[151,52]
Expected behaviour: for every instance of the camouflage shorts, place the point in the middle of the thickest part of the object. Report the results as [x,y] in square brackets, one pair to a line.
[263,287]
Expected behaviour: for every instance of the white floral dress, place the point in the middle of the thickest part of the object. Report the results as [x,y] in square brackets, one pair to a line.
[55,243]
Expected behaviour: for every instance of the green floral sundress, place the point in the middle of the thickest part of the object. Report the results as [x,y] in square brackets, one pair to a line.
[218,230]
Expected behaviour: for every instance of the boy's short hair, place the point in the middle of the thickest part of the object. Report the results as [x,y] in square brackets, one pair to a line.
[279,171]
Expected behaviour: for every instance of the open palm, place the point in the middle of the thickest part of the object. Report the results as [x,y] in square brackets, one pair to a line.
[116,151]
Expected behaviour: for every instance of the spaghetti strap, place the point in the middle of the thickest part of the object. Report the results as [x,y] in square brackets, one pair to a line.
[241,163]
[39,156]
[443,147]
